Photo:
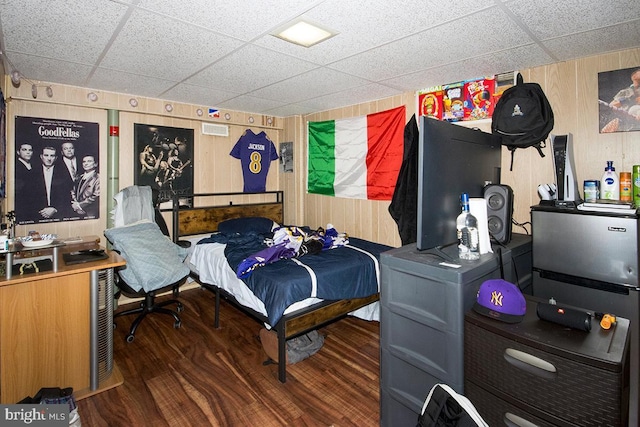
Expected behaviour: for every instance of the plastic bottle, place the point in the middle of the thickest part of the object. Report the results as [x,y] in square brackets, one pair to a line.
[635,182]
[610,184]
[625,187]
[468,236]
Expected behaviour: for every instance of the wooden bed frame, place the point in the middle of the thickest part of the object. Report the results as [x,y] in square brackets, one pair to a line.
[194,219]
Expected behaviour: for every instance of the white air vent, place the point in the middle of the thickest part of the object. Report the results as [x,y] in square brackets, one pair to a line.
[216,130]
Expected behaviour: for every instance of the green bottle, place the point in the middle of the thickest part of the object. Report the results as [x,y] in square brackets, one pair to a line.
[635,182]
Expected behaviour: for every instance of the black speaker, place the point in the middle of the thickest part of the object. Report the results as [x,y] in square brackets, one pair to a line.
[572,318]
[499,211]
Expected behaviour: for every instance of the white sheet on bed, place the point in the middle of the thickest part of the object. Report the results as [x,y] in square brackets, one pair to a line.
[208,261]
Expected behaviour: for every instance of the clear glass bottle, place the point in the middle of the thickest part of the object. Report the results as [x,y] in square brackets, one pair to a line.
[468,237]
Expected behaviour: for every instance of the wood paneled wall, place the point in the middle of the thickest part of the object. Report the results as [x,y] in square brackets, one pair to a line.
[571,86]
[214,169]
[572,89]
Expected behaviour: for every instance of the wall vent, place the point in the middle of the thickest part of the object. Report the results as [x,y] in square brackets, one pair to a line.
[216,130]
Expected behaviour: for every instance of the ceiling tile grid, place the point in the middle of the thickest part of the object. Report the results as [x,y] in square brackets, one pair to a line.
[223,53]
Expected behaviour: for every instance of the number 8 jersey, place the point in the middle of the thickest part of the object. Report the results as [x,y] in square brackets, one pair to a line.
[256,152]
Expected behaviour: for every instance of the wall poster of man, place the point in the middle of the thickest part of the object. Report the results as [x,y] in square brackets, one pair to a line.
[164,160]
[56,170]
[619,100]
[286,157]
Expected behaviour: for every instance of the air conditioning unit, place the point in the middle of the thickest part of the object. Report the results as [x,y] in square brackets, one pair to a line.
[215,130]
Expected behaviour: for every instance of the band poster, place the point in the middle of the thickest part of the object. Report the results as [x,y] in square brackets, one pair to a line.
[56,170]
[165,160]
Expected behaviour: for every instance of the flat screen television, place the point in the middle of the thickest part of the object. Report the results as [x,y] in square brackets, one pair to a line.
[452,160]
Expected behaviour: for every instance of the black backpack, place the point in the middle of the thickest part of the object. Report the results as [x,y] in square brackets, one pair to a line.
[444,407]
[522,117]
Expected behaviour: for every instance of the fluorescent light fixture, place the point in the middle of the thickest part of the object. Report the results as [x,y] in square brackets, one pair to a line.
[303,33]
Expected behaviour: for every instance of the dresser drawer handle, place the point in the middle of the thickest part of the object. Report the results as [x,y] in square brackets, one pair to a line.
[530,363]
[512,420]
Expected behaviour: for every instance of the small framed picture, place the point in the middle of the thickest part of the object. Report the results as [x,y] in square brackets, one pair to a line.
[286,157]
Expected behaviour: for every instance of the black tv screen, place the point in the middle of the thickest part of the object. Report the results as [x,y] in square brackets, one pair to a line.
[452,160]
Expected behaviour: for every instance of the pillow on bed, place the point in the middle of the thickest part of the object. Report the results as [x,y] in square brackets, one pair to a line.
[256,224]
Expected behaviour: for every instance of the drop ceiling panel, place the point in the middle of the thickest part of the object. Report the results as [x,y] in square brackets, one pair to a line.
[243,20]
[549,19]
[48,70]
[134,84]
[56,29]
[309,85]
[197,94]
[249,68]
[378,23]
[438,46]
[157,46]
[618,37]
[247,103]
[221,53]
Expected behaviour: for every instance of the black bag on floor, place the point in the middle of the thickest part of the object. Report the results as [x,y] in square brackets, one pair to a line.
[443,407]
[522,117]
[298,348]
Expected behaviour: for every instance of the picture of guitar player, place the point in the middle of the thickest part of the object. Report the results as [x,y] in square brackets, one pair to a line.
[619,100]
[165,160]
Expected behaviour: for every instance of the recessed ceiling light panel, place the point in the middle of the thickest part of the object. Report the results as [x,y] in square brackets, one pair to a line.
[304,33]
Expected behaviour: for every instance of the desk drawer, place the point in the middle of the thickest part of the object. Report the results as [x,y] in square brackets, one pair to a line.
[496,411]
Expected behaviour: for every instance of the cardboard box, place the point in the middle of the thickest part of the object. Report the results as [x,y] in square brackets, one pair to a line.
[479,98]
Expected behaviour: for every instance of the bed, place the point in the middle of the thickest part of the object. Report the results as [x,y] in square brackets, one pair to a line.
[306,310]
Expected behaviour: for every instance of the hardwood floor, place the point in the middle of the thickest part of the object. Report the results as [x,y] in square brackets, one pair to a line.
[200,376]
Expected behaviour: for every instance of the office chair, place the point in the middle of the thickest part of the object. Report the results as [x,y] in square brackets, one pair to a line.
[160,251]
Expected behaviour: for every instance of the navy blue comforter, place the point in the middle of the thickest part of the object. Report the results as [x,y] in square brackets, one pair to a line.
[344,272]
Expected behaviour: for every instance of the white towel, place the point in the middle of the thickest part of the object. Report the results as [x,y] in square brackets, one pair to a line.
[478,208]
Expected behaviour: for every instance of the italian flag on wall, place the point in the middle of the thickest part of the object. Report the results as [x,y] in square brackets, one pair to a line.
[357,158]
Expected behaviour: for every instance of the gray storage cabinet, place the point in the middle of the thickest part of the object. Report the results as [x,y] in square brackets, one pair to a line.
[422,325]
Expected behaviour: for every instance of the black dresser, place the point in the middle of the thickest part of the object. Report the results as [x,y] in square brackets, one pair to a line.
[545,373]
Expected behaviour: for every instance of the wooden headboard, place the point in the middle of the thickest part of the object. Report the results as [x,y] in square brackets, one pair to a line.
[206,210]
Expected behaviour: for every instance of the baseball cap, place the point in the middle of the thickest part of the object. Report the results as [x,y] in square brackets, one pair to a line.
[501,300]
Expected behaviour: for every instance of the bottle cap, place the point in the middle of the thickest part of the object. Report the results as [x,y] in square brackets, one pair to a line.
[464,198]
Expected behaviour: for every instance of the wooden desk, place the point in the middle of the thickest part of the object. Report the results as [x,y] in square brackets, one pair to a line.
[49,329]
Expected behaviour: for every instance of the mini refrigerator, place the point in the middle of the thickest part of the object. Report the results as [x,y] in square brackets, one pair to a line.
[590,259]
